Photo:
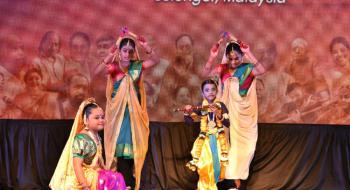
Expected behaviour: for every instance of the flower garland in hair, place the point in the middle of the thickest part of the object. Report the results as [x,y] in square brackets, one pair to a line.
[229,37]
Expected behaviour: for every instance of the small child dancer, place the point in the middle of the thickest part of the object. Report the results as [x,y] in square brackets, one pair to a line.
[210,149]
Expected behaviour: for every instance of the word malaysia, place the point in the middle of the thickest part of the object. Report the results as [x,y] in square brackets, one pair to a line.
[198,2]
[259,2]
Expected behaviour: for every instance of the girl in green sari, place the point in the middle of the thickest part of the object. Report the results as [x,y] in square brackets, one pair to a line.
[127,131]
[81,165]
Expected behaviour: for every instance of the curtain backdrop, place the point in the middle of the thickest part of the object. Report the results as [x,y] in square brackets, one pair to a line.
[288,156]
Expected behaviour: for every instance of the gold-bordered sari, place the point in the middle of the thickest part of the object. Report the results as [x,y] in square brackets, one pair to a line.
[115,108]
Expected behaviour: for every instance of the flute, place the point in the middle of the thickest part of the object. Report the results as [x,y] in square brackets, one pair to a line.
[217,106]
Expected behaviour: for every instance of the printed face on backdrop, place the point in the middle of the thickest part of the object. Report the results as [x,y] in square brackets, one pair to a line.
[55,43]
[50,44]
[296,94]
[103,48]
[33,80]
[321,96]
[260,50]
[340,54]
[343,91]
[79,49]
[183,96]
[266,52]
[78,88]
[299,52]
[184,46]
[13,50]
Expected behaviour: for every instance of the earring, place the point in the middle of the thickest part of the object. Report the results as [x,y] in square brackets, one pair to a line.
[86,127]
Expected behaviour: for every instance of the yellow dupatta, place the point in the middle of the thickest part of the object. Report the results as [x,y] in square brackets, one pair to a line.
[64,176]
[115,108]
[243,132]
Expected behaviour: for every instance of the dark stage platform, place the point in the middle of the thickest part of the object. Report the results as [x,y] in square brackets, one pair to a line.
[288,156]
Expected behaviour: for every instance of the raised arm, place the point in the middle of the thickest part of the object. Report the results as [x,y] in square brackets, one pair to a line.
[113,52]
[258,69]
[153,56]
[209,70]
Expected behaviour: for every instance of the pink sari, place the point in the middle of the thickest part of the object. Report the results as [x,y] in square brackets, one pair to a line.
[108,180]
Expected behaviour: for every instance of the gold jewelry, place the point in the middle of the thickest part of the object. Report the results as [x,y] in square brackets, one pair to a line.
[86,127]
[123,69]
[211,123]
[128,44]
[94,137]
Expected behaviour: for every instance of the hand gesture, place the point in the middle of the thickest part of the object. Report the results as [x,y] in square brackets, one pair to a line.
[113,51]
[188,109]
[216,109]
[244,47]
[215,48]
[143,43]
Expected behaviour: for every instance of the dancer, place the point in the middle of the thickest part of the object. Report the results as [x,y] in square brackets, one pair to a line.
[239,95]
[81,163]
[126,134]
[210,148]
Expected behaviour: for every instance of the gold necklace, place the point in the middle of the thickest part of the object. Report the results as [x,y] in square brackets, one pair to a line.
[211,122]
[94,137]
